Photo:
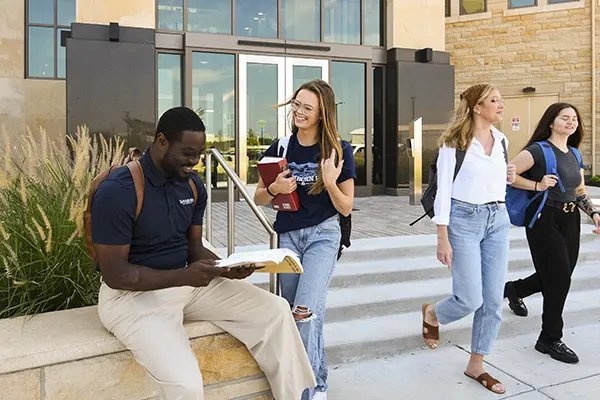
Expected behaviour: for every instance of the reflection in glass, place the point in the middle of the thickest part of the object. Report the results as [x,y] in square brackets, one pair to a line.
[209,16]
[213,98]
[61,62]
[348,83]
[342,21]
[472,6]
[521,3]
[303,74]
[302,20]
[262,115]
[41,11]
[41,52]
[373,23]
[65,12]
[170,15]
[256,18]
[378,125]
[169,82]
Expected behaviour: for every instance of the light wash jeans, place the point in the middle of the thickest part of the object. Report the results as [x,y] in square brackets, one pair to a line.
[478,235]
[317,247]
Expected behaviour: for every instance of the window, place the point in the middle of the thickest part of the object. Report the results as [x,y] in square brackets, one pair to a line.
[560,1]
[45,20]
[213,99]
[348,80]
[448,8]
[301,20]
[169,82]
[373,19]
[257,18]
[170,15]
[521,3]
[472,6]
[209,16]
[342,21]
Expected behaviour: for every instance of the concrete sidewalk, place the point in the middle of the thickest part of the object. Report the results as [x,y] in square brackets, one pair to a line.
[438,374]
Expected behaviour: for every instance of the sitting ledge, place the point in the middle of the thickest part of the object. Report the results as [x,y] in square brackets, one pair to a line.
[69,355]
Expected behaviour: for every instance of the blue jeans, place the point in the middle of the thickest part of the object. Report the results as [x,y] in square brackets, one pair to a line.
[317,246]
[478,236]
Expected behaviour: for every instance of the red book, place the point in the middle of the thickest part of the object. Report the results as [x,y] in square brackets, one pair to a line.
[269,168]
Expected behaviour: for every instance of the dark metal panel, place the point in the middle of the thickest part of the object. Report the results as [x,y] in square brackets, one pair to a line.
[228,42]
[111,86]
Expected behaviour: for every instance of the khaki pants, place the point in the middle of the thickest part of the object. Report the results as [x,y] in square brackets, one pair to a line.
[150,324]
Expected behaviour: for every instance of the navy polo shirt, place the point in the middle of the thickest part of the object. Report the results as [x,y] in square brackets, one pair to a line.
[158,239]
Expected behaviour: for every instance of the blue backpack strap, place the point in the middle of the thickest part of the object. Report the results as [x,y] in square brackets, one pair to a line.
[550,159]
[577,156]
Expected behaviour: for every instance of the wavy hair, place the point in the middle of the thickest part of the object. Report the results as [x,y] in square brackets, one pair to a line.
[461,129]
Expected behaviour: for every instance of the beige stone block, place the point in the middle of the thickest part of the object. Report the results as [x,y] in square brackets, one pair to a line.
[12,97]
[136,13]
[238,389]
[55,128]
[262,397]
[12,128]
[111,377]
[416,24]
[12,58]
[24,385]
[45,99]
[223,358]
[12,20]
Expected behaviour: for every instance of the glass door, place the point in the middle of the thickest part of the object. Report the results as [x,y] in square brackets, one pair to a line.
[264,83]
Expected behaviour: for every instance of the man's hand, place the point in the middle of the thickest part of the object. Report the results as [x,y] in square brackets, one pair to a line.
[200,273]
[239,272]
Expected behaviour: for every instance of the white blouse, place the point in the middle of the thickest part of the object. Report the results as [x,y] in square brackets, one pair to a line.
[481,179]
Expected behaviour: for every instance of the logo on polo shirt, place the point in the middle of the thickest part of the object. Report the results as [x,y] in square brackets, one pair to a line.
[186,202]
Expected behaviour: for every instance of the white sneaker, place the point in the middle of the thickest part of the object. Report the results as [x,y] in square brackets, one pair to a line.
[319,396]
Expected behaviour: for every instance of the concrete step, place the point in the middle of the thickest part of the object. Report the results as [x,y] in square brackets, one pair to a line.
[377,336]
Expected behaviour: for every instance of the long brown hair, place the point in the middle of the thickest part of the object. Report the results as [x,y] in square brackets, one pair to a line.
[461,129]
[543,131]
[329,138]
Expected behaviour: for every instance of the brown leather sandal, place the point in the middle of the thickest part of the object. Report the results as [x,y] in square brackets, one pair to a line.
[429,331]
[488,382]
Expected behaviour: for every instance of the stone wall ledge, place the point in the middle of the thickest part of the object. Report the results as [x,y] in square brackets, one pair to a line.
[65,336]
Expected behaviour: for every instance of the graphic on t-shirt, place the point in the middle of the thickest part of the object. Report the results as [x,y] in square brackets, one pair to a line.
[306,174]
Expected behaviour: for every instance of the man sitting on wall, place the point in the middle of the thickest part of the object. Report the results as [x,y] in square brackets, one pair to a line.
[156,273]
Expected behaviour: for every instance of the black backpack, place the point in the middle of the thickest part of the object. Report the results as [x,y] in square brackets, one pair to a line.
[428,197]
[345,222]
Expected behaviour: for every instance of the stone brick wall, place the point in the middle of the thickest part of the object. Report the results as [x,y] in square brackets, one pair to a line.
[528,50]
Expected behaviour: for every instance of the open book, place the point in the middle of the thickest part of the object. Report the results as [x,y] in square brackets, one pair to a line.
[279,261]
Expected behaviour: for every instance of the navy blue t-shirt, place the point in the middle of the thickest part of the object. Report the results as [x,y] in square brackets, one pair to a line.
[158,239]
[304,163]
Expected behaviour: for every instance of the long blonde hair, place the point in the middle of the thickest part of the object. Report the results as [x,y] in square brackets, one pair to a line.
[329,138]
[461,129]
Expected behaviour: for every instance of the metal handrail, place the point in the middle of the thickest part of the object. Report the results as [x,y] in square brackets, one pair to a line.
[233,182]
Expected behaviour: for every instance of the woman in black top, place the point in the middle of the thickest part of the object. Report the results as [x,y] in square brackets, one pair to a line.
[554,238]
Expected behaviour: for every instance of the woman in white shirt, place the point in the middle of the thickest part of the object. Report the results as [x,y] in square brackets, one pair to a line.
[472,225]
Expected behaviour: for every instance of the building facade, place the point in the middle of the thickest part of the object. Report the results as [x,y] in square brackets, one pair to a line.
[63,65]
[537,52]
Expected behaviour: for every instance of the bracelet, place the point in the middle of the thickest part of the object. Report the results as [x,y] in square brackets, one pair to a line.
[535,186]
[268,191]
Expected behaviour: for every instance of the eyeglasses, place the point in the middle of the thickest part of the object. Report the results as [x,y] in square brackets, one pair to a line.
[305,108]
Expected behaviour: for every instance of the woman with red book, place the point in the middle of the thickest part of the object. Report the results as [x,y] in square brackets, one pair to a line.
[322,172]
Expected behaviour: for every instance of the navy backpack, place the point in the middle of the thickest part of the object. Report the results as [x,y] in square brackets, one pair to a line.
[517,200]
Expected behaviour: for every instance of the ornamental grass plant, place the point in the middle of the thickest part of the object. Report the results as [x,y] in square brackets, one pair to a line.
[44,264]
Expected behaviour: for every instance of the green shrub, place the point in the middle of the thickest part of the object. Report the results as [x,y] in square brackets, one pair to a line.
[595,180]
[43,187]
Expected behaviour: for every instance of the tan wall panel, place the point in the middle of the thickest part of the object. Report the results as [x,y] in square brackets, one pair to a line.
[416,24]
[12,39]
[135,13]
[543,50]
[45,106]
